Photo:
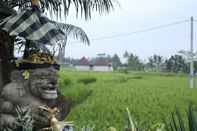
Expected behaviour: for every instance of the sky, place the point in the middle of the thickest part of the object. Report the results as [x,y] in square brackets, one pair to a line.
[135,15]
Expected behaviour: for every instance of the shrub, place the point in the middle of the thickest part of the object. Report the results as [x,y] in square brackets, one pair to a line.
[125,71]
[67,81]
[87,80]
[135,77]
[78,96]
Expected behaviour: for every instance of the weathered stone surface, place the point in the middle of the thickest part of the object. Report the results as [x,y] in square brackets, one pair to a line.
[7,107]
[7,120]
[38,90]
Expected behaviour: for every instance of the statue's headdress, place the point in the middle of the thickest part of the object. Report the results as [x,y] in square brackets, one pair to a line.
[37,60]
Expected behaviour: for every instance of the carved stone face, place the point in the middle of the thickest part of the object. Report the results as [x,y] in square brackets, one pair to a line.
[43,83]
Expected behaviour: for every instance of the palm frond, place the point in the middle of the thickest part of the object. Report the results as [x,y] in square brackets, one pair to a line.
[24,119]
[5,11]
[68,29]
[73,31]
[83,7]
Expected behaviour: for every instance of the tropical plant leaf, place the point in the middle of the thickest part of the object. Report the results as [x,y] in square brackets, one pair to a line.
[192,119]
[68,29]
[74,31]
[180,119]
[130,121]
[174,122]
[167,125]
[83,7]
[24,119]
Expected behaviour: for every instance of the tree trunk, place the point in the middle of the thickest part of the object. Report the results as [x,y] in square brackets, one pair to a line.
[61,53]
[6,53]
[26,51]
[1,79]
[6,47]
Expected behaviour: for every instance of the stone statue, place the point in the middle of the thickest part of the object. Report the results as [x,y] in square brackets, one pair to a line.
[29,89]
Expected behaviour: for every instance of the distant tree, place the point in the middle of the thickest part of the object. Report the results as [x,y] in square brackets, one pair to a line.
[150,64]
[108,57]
[155,62]
[134,63]
[176,63]
[116,61]
[126,54]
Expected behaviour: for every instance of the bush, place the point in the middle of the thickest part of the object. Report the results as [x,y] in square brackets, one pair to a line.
[135,77]
[67,81]
[125,71]
[87,80]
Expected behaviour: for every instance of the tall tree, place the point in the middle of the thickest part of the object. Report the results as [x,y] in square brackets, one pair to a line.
[150,64]
[176,64]
[155,62]
[116,61]
[126,54]
[134,63]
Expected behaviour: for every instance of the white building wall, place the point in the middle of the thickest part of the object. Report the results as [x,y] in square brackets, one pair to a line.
[82,68]
[94,68]
[102,68]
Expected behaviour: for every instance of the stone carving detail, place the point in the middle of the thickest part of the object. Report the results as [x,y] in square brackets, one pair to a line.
[40,89]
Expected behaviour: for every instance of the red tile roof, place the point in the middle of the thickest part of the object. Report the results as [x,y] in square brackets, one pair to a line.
[83,61]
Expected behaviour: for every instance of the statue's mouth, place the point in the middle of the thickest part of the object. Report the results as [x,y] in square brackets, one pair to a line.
[49,94]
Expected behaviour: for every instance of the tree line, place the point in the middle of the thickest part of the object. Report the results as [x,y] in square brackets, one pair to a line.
[155,63]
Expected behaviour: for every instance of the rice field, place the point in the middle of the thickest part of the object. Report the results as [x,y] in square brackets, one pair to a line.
[100,99]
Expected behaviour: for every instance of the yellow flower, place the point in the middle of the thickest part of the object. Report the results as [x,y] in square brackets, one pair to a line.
[26,74]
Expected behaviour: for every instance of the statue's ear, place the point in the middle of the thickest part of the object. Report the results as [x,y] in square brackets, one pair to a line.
[16,75]
[20,75]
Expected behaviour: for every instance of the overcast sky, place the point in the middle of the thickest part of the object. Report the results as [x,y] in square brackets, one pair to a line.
[134,15]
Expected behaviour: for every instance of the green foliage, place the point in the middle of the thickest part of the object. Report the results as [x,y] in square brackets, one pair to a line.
[67,82]
[116,61]
[74,90]
[5,129]
[134,63]
[155,62]
[59,7]
[24,119]
[176,64]
[131,124]
[125,71]
[178,123]
[87,80]
[149,96]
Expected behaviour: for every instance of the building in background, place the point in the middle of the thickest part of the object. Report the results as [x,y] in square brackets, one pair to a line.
[102,64]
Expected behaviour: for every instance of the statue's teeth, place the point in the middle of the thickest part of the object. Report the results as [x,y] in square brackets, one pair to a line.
[49,94]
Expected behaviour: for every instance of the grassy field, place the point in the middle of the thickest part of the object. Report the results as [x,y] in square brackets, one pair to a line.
[102,103]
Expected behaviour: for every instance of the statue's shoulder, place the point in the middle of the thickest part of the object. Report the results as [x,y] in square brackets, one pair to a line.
[13,85]
[13,89]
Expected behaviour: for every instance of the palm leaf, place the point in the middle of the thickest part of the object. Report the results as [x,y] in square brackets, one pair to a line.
[68,29]
[83,7]
[5,11]
[74,31]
